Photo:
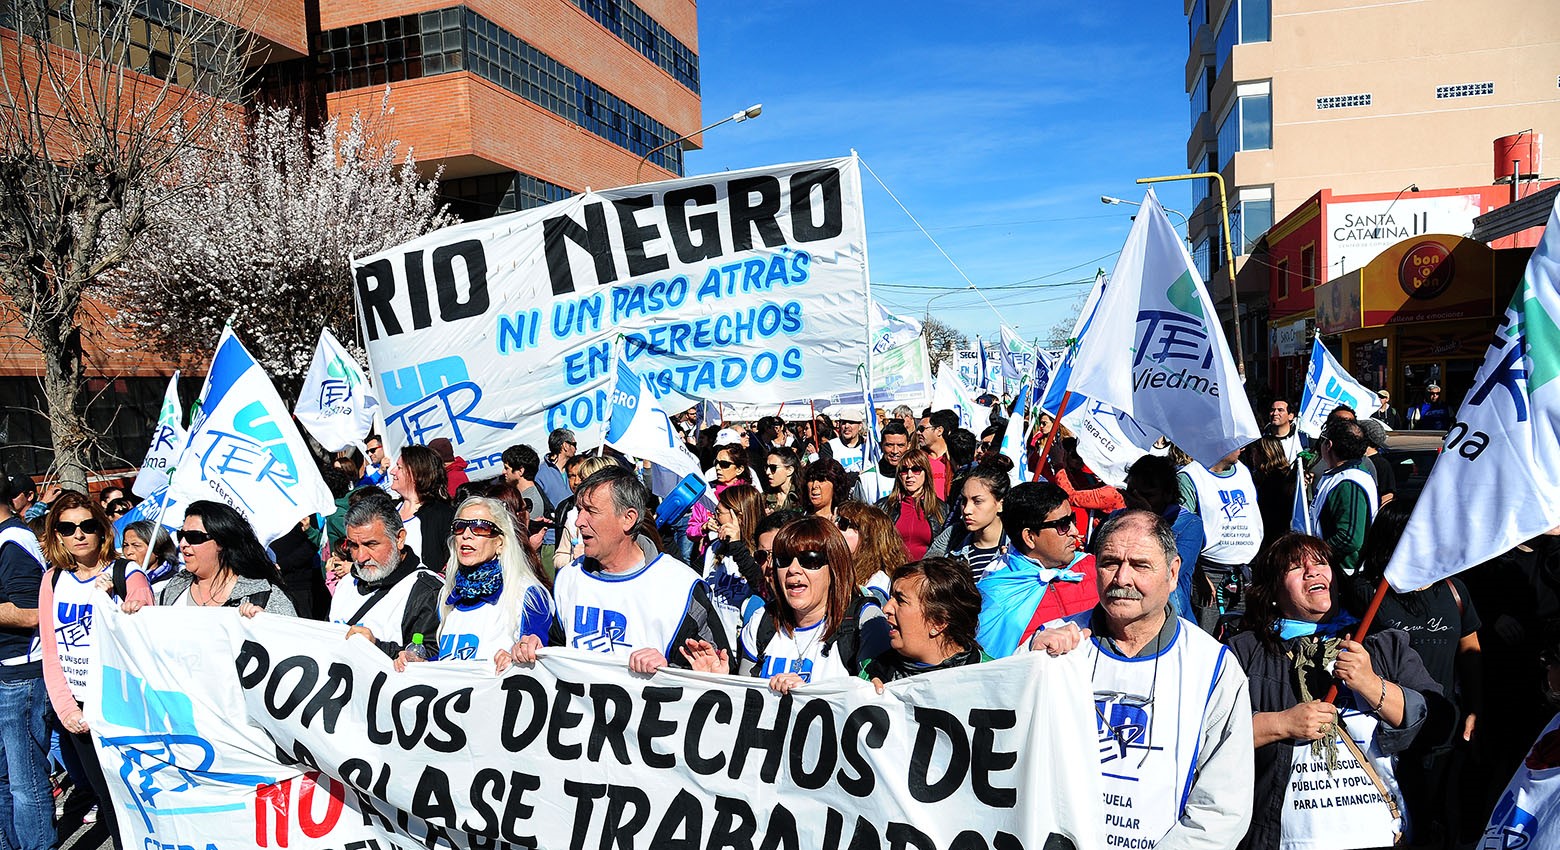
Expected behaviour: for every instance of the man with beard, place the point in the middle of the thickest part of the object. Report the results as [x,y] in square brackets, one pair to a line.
[388,592]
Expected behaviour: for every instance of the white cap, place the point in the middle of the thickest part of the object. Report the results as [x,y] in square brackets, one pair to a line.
[851,413]
[728,435]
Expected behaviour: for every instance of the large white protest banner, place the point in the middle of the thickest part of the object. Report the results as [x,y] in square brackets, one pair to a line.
[949,393]
[1109,441]
[167,442]
[1499,471]
[243,449]
[1155,349]
[276,733]
[747,286]
[966,364]
[1327,386]
[335,404]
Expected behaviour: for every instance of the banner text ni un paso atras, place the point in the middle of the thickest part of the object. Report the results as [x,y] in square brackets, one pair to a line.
[747,286]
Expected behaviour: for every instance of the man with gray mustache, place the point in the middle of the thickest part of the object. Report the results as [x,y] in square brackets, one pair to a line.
[388,597]
[1171,706]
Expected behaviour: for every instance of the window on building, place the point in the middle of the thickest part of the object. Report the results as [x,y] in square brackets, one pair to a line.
[1196,19]
[1244,22]
[1200,258]
[1251,217]
[1281,279]
[1248,125]
[1308,267]
[638,30]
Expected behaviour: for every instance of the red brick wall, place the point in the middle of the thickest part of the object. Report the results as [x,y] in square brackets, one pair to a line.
[278,21]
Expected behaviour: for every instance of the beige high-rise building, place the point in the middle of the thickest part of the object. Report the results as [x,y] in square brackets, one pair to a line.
[1289,97]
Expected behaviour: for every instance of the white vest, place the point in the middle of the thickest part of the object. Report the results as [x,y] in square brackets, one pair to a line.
[800,652]
[24,538]
[1340,810]
[873,486]
[385,616]
[76,603]
[853,459]
[618,614]
[1149,716]
[477,634]
[1228,510]
[1331,481]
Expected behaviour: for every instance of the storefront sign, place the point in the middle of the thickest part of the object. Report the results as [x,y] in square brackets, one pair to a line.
[1430,278]
[1359,231]
[1291,338]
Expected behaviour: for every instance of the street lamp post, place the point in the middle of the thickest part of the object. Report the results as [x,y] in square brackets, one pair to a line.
[751,112]
[1186,223]
[1229,253]
[929,301]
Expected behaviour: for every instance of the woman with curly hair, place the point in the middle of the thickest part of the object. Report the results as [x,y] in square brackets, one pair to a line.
[874,544]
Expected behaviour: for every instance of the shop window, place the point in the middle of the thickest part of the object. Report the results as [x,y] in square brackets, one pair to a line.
[1281,274]
[1308,267]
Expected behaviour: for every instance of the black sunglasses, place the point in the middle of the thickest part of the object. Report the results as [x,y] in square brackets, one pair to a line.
[725,464]
[478,527]
[193,537]
[87,526]
[844,523]
[811,559]
[1060,525]
[761,556]
[772,467]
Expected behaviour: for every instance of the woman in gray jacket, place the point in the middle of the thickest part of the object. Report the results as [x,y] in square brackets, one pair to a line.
[224,565]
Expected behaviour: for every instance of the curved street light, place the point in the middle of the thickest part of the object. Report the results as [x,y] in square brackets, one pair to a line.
[751,112]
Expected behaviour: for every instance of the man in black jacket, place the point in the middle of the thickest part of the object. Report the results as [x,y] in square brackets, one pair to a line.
[388,597]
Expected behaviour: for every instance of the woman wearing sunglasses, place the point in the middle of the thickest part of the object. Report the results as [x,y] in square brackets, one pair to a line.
[83,573]
[819,625]
[780,480]
[224,565]
[730,470]
[828,486]
[917,513]
[493,593]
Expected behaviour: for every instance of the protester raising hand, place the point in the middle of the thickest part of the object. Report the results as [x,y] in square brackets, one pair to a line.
[705,657]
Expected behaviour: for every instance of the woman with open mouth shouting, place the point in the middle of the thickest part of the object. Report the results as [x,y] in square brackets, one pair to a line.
[819,624]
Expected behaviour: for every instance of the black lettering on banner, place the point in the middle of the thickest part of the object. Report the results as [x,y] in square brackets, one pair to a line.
[251,664]
[747,213]
[681,226]
[517,810]
[734,824]
[375,734]
[444,712]
[903,836]
[820,713]
[309,673]
[635,235]
[417,290]
[359,776]
[471,255]
[563,717]
[864,835]
[431,802]
[585,795]
[609,727]
[558,232]
[487,788]
[628,810]
[331,698]
[516,691]
[681,826]
[929,723]
[827,181]
[421,699]
[873,721]
[969,839]
[652,726]
[710,702]
[780,832]
[985,760]
[751,735]
[376,291]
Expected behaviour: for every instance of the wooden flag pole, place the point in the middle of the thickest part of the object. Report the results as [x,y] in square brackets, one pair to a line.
[1050,435]
[1359,633]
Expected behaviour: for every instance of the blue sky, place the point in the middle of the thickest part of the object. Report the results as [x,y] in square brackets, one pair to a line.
[998,125]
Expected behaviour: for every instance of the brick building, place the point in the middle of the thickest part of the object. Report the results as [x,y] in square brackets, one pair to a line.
[519,103]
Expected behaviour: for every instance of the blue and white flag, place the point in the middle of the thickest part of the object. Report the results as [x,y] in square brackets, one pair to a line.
[167,442]
[873,429]
[1013,438]
[335,404]
[1018,357]
[985,368]
[1155,349]
[1056,389]
[1498,474]
[243,449]
[639,428]
[1045,366]
[1327,386]
[1109,441]
[1300,512]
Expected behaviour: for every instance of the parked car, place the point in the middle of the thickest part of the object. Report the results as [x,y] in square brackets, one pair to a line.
[1412,454]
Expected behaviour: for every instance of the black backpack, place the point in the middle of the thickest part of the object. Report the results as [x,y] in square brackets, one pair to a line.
[117,571]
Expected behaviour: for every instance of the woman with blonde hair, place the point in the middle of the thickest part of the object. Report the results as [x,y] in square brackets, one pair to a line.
[493,594]
[731,571]
[874,544]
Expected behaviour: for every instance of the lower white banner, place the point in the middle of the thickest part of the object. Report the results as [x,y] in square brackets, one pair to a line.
[277,733]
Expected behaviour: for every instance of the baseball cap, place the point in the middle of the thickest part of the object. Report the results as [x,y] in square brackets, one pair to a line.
[1375,433]
[1433,388]
[728,435]
[851,413]
[1383,394]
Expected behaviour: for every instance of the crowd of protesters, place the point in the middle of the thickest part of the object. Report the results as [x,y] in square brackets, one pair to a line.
[1212,631]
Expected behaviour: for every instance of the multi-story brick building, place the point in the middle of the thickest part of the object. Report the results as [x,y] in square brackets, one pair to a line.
[516,103]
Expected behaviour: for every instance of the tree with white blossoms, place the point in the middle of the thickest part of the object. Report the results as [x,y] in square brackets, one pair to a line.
[270,235]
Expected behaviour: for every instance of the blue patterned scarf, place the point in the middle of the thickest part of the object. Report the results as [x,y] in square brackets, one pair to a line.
[477,585]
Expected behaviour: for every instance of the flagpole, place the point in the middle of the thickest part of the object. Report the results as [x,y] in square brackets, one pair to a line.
[1050,435]
[866,278]
[1359,633]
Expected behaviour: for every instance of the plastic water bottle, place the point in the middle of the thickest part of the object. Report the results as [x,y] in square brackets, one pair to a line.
[422,650]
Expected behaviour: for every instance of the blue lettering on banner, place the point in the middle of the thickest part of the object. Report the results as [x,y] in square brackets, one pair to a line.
[333,391]
[431,416]
[578,412]
[235,458]
[519,332]
[412,384]
[457,647]
[578,316]
[599,629]
[163,440]
[679,339]
[170,757]
[582,367]
[1507,375]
